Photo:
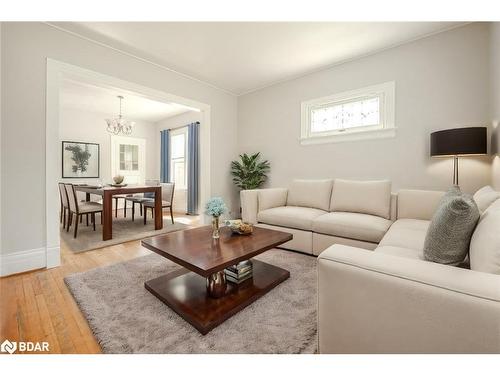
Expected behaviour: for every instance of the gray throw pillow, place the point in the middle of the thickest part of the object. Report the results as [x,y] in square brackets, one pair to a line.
[450,231]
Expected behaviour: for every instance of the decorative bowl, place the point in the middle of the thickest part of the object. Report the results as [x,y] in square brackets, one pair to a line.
[118,179]
[239,227]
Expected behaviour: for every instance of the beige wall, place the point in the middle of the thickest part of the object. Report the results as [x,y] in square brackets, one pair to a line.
[85,126]
[495,102]
[441,82]
[25,48]
[179,120]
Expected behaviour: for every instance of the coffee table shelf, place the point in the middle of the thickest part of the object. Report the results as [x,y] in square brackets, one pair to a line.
[185,292]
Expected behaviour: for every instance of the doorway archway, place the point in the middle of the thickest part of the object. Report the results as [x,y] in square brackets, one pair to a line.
[57,71]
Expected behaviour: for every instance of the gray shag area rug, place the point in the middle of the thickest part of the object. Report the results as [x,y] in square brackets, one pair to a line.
[124,230]
[126,318]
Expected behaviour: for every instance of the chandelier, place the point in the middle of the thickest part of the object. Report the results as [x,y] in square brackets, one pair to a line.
[120,125]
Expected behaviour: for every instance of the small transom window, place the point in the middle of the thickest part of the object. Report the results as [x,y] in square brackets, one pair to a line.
[359,114]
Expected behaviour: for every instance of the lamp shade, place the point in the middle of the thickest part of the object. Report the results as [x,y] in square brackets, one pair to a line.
[460,141]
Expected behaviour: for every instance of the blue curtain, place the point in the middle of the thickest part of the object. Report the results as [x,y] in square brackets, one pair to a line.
[193,168]
[165,156]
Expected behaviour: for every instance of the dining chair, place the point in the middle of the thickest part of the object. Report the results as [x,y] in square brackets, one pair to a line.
[139,198]
[167,193]
[80,208]
[64,203]
[81,198]
[116,198]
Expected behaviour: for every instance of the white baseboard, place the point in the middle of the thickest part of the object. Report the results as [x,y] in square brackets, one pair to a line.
[22,261]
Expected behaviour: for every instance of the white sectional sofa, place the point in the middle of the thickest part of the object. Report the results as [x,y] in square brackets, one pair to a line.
[388,300]
[320,213]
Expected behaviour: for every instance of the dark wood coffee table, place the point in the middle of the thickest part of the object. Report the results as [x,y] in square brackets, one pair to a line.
[204,260]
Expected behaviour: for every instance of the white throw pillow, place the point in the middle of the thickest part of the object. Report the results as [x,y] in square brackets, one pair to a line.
[310,193]
[365,197]
[484,251]
[484,197]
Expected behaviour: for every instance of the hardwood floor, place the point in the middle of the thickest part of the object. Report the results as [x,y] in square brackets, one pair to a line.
[37,306]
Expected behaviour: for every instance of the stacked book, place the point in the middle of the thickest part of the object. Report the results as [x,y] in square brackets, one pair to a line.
[239,272]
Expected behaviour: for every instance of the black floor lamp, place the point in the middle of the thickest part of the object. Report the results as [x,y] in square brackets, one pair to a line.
[458,142]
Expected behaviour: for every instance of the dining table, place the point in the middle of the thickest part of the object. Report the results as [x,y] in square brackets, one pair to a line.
[107,192]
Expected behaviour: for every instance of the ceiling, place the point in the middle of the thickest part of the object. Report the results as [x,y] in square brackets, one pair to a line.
[240,57]
[86,97]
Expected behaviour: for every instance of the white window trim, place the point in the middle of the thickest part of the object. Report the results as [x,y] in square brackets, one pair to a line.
[386,92]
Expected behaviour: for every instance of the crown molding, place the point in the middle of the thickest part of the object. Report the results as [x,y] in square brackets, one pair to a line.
[348,60]
[273,83]
[158,65]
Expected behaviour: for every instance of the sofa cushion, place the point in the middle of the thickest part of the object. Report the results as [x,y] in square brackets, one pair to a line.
[310,193]
[408,233]
[290,216]
[450,231]
[352,225]
[270,198]
[365,197]
[401,252]
[484,197]
[484,251]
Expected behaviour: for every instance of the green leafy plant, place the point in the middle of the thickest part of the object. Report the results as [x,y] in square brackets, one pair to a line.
[80,157]
[249,172]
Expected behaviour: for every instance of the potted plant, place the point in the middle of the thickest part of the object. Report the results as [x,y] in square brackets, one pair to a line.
[249,172]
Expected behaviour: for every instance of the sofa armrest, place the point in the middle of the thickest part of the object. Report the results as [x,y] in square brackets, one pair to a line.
[253,201]
[249,205]
[418,204]
[370,302]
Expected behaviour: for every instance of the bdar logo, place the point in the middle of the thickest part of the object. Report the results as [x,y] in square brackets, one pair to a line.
[8,347]
[24,346]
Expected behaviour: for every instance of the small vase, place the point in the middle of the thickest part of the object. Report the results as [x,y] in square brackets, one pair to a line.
[215,227]
[216,284]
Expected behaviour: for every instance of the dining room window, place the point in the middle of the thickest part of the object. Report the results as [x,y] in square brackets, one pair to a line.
[129,157]
[178,153]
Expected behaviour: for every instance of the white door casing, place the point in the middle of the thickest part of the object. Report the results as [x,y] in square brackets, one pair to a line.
[56,71]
